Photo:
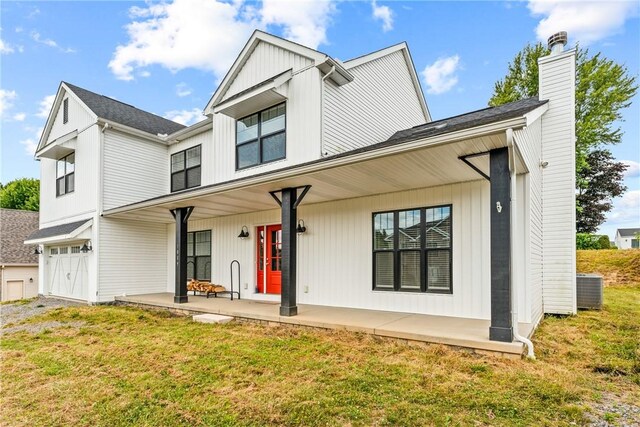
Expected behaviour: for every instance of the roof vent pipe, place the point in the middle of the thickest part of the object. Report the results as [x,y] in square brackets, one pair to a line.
[557,42]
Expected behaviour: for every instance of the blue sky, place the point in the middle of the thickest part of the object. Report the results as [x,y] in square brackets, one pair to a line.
[168,57]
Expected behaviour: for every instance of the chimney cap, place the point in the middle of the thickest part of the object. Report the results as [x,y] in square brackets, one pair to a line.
[557,41]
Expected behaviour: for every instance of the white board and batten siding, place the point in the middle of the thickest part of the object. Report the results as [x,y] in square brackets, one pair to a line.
[529,201]
[133,258]
[557,84]
[302,120]
[335,254]
[381,100]
[134,169]
[205,141]
[82,202]
[79,117]
[266,61]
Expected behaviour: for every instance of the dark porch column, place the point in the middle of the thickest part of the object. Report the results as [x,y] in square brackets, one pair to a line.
[288,305]
[501,328]
[181,216]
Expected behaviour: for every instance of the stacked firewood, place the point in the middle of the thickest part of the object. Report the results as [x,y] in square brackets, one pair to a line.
[205,287]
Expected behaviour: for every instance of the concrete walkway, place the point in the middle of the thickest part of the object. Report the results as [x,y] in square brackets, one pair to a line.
[468,333]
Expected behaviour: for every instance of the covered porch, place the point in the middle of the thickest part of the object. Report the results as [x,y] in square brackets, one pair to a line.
[468,155]
[472,334]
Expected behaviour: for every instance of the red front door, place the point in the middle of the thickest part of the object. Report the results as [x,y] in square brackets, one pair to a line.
[269,259]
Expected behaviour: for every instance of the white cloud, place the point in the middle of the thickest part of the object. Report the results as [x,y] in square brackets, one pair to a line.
[625,213]
[30,146]
[208,34]
[303,22]
[5,48]
[633,169]
[585,21]
[144,73]
[51,43]
[45,106]
[185,117]
[384,14]
[6,100]
[201,34]
[19,117]
[182,90]
[626,209]
[440,76]
[34,12]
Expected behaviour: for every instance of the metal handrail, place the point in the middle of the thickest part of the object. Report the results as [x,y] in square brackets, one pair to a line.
[235,261]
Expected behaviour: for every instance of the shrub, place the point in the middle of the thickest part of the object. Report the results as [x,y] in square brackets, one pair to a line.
[587,241]
[604,242]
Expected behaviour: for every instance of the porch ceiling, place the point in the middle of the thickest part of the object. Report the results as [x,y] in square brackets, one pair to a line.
[422,167]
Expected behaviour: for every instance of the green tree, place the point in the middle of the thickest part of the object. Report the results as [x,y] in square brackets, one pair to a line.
[22,193]
[598,183]
[603,89]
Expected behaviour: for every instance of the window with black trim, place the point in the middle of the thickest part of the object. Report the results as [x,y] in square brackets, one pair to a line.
[185,169]
[412,250]
[65,110]
[65,175]
[199,255]
[261,137]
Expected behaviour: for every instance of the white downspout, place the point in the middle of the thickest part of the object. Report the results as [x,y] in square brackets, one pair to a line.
[333,69]
[96,223]
[514,235]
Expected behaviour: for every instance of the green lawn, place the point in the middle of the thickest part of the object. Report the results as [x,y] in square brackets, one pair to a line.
[126,366]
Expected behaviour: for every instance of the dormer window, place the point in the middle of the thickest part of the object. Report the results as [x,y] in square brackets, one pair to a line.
[185,169]
[65,110]
[261,138]
[65,175]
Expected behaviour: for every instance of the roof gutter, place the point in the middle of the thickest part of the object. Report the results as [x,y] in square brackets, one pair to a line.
[123,128]
[329,163]
[195,129]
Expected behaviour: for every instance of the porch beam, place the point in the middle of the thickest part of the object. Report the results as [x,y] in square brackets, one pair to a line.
[500,182]
[181,216]
[288,300]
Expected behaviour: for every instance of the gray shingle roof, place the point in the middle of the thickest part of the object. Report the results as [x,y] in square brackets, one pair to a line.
[628,232]
[125,114]
[15,226]
[57,230]
[468,120]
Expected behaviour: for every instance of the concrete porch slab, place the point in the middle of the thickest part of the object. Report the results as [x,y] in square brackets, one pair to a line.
[453,331]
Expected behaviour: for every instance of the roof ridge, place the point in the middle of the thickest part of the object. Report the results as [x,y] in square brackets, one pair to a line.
[115,100]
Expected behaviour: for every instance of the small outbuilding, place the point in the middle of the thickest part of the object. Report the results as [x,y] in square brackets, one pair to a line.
[18,262]
[627,238]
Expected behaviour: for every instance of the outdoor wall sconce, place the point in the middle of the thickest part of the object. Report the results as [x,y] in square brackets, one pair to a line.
[38,250]
[301,228]
[244,233]
[86,247]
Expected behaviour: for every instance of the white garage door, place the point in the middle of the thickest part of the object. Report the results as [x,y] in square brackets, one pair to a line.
[67,272]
